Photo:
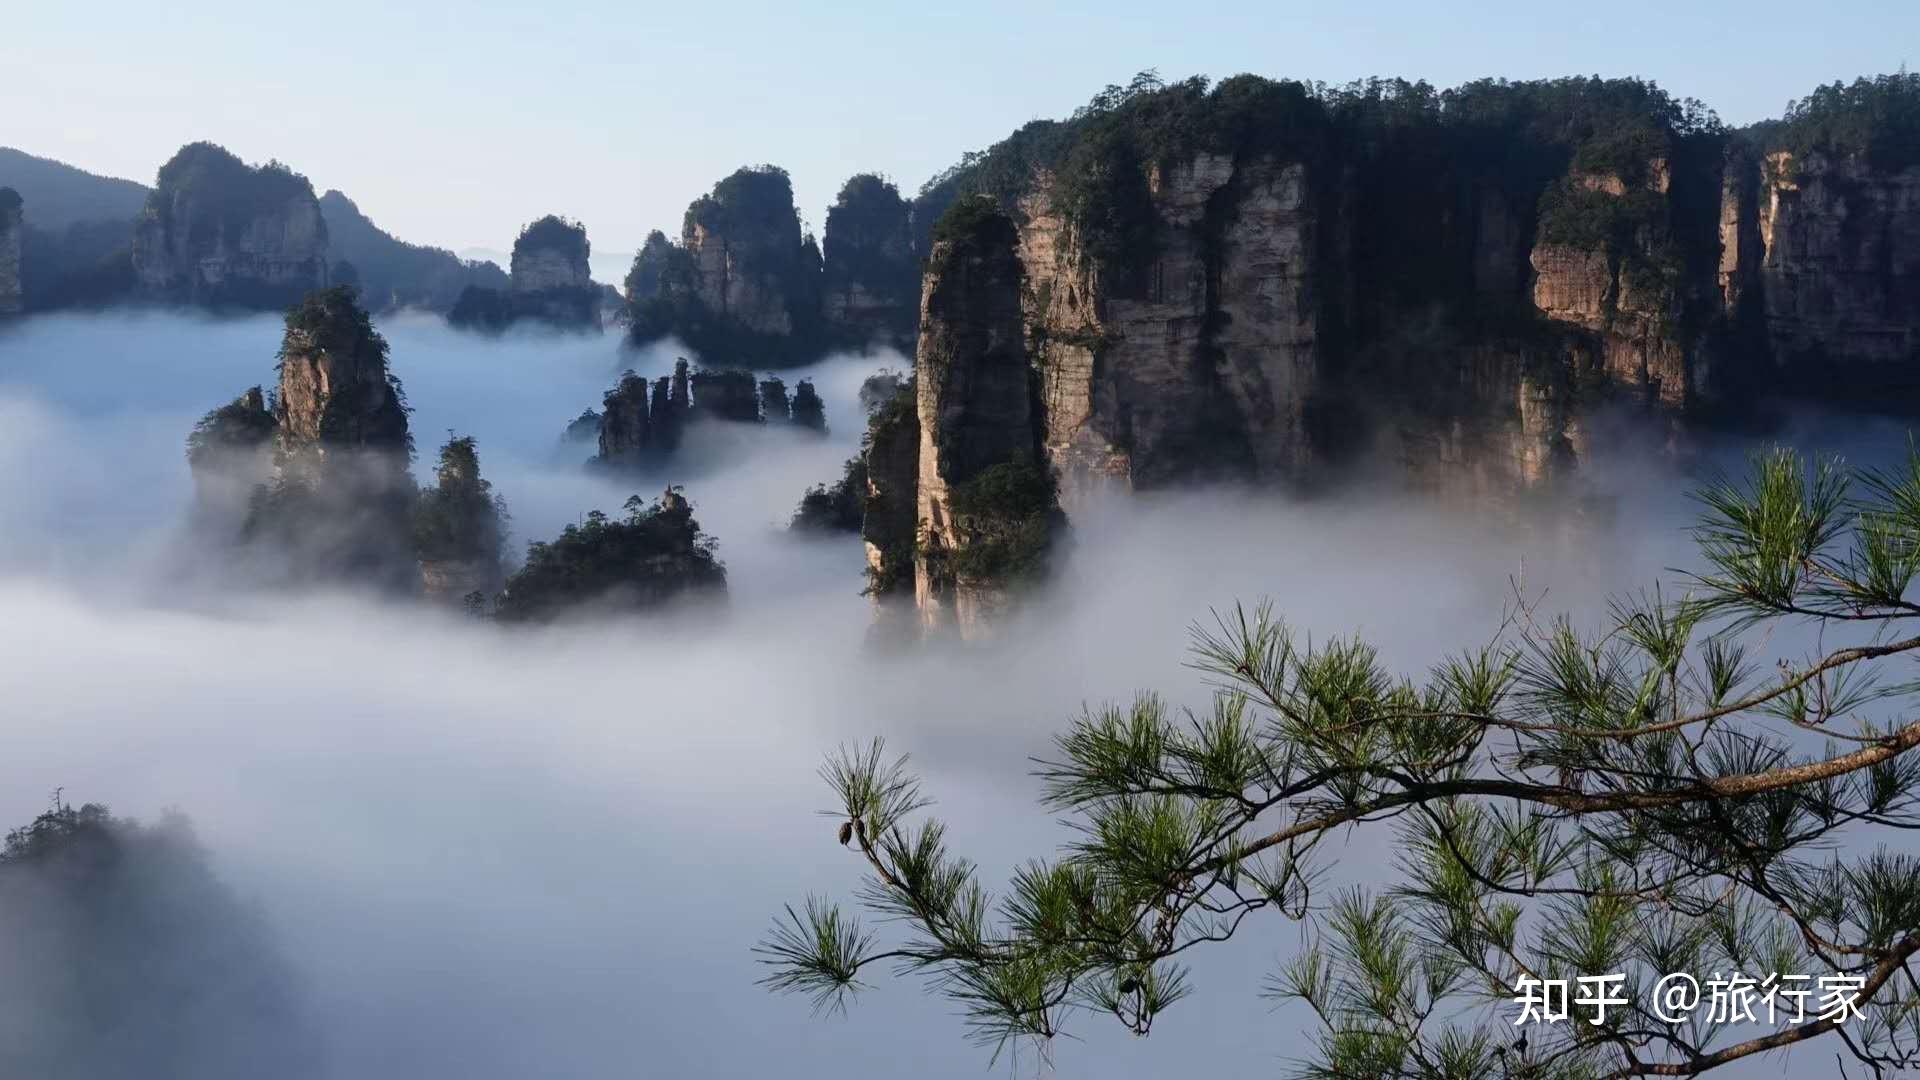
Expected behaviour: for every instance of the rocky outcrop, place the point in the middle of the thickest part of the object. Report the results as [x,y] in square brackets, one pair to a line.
[672,403]
[550,284]
[980,429]
[1503,419]
[742,285]
[336,394]
[1620,283]
[750,262]
[808,411]
[726,395]
[870,271]
[1258,283]
[336,504]
[12,235]
[216,231]
[582,430]
[642,424]
[550,279]
[551,253]
[776,405]
[626,426]
[1839,269]
[1207,368]
[890,525]
[458,529]
[1237,351]
[341,507]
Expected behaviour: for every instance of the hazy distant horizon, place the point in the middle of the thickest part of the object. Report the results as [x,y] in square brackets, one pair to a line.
[430,119]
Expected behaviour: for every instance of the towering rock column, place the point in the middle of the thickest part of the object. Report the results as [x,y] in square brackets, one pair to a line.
[335,391]
[218,231]
[979,433]
[626,428]
[11,228]
[344,497]
[891,508]
[551,279]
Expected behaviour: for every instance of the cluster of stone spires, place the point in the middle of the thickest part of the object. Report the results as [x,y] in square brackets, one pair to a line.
[642,421]
[317,476]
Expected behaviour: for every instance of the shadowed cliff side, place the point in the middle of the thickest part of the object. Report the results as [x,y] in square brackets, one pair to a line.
[985,503]
[460,529]
[550,283]
[1274,282]
[870,266]
[218,232]
[745,284]
[334,501]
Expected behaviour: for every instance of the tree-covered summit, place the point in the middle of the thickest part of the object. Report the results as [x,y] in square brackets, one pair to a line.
[1877,118]
[224,188]
[553,232]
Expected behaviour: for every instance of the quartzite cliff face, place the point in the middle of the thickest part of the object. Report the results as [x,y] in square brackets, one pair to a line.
[340,504]
[1306,292]
[1206,368]
[1838,265]
[550,278]
[979,423]
[746,285]
[217,231]
[870,267]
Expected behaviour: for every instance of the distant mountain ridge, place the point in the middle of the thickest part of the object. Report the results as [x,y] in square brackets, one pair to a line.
[394,273]
[79,229]
[58,195]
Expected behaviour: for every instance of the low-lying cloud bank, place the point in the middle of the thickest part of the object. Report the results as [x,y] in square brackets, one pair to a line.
[492,854]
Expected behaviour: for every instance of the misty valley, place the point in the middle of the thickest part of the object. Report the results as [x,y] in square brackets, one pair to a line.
[1273,566]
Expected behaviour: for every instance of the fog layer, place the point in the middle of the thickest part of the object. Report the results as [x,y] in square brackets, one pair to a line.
[495,854]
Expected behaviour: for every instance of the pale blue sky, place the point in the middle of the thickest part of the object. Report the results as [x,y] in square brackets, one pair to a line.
[453,123]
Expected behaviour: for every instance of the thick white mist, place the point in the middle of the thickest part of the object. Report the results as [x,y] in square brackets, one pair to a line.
[503,854]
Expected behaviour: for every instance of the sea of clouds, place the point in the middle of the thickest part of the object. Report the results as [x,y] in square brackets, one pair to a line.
[504,854]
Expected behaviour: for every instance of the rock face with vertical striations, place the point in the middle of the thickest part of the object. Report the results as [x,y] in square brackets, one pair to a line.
[337,395]
[870,270]
[891,511]
[726,395]
[216,231]
[341,505]
[550,253]
[753,270]
[1205,367]
[1265,282]
[642,424]
[12,235]
[1606,261]
[742,285]
[550,280]
[980,430]
[1839,270]
[626,426]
